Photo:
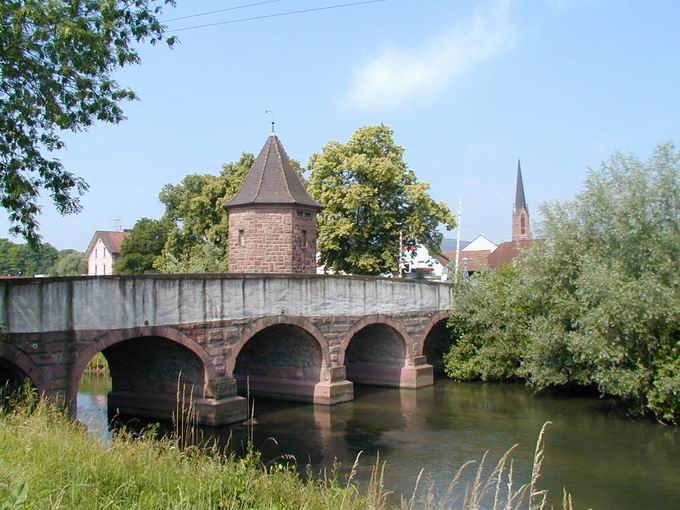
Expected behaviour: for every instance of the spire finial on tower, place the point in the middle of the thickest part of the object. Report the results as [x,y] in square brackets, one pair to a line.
[271,114]
[520,200]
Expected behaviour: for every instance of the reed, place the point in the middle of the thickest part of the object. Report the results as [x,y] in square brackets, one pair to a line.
[48,461]
[97,365]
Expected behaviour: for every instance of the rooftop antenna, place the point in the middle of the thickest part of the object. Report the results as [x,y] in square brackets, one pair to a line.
[116,224]
[271,115]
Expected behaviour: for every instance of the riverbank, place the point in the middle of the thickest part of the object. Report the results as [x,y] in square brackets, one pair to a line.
[48,461]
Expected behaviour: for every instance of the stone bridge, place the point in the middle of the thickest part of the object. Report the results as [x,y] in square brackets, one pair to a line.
[217,337]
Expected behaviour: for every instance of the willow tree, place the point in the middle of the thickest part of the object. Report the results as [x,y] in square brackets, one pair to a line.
[595,303]
[370,197]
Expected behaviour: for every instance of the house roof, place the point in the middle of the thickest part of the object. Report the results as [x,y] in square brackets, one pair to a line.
[272,180]
[113,240]
[507,252]
[442,259]
[476,260]
[448,256]
[520,201]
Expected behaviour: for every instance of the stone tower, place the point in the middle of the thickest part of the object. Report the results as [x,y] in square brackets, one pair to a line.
[521,230]
[272,219]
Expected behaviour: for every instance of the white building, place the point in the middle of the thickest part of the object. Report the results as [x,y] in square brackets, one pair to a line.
[425,265]
[480,243]
[103,251]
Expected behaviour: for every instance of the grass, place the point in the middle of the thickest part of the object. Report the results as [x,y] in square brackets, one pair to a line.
[48,461]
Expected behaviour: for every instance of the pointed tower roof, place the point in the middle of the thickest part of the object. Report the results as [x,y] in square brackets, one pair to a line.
[273,180]
[520,201]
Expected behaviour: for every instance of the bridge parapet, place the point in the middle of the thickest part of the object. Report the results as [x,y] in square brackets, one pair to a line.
[119,302]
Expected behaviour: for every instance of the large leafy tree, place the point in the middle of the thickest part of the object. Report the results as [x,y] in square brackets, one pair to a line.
[370,197]
[26,260]
[69,263]
[142,247]
[199,238]
[597,302]
[56,63]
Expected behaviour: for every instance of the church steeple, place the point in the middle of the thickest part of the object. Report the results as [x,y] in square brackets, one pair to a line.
[521,230]
[520,201]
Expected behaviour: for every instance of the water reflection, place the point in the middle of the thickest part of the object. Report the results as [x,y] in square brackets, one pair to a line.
[606,462]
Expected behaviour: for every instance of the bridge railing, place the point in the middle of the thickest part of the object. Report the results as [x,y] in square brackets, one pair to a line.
[116,302]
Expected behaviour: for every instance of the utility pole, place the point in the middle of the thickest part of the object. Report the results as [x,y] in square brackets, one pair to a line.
[460,220]
[401,254]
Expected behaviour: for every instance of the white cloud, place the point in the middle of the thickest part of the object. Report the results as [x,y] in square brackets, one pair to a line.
[395,75]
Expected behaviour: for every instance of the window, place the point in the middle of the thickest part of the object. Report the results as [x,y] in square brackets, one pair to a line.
[95,253]
[241,238]
[522,226]
[104,269]
[304,239]
[95,269]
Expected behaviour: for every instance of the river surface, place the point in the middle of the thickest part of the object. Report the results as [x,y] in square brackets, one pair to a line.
[606,461]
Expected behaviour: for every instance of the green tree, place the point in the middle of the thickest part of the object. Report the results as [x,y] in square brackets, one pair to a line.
[490,326]
[605,286]
[199,238]
[69,263]
[596,303]
[370,196]
[26,260]
[142,247]
[57,59]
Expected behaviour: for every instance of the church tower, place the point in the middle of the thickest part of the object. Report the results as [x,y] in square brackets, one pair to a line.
[272,219]
[521,230]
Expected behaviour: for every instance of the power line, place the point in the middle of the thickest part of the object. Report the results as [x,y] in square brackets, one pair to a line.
[236,7]
[288,13]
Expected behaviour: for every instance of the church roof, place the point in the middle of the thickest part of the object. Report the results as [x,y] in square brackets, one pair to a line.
[520,201]
[273,180]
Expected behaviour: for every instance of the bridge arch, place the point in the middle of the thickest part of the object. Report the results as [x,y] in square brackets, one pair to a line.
[15,366]
[375,320]
[280,320]
[280,357]
[152,339]
[435,341]
[375,350]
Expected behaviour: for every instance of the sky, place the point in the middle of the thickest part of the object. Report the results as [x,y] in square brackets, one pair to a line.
[467,87]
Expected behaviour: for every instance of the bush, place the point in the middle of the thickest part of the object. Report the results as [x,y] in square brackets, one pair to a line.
[597,301]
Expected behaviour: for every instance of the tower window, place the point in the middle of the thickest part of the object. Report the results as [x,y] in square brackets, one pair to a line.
[304,239]
[522,225]
[241,238]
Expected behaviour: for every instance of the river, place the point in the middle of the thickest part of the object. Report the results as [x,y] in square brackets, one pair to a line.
[605,460]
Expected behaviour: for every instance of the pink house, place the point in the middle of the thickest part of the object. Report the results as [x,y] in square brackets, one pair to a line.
[103,251]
